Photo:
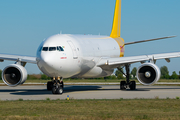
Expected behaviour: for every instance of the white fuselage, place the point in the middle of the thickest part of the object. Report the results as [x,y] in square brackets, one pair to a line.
[65,55]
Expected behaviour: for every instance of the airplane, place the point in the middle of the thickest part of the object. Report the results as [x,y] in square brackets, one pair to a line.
[85,56]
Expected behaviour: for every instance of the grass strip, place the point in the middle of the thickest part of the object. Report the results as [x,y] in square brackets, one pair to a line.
[159,109]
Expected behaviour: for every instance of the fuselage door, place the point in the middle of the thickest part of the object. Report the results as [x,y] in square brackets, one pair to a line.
[75,56]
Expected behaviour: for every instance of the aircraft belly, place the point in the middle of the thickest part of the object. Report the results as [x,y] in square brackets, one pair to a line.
[89,69]
[97,72]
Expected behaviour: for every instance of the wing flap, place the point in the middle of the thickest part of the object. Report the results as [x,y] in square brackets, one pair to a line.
[129,60]
[126,60]
[166,55]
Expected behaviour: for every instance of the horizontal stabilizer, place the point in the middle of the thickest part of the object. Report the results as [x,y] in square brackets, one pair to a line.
[148,40]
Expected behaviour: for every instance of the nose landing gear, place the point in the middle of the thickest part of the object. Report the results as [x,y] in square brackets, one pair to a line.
[56,85]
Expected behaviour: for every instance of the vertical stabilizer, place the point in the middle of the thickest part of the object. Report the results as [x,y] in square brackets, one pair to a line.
[117,20]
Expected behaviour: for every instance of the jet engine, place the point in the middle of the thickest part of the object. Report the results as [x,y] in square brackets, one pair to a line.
[148,74]
[14,75]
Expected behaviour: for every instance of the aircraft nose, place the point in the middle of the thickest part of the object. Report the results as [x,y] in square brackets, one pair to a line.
[47,64]
[46,59]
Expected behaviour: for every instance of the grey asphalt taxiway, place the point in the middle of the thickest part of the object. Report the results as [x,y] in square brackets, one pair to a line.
[88,92]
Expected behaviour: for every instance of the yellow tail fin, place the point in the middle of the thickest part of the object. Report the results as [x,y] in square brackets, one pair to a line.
[117,20]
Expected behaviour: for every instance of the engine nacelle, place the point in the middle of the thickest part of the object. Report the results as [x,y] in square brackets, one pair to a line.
[148,74]
[14,75]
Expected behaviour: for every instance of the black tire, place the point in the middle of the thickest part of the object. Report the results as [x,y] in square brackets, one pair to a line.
[59,90]
[54,90]
[122,85]
[132,85]
[49,85]
[62,84]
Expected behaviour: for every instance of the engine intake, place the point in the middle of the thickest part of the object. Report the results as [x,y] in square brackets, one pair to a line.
[14,75]
[148,74]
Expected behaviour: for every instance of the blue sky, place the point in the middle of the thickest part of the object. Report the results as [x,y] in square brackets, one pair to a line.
[25,23]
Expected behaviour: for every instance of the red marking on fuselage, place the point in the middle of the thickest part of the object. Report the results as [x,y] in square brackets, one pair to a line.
[63,57]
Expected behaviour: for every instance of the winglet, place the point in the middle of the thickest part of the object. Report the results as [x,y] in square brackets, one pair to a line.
[117,20]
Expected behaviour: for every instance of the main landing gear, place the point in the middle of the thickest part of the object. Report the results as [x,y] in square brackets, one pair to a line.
[56,85]
[127,83]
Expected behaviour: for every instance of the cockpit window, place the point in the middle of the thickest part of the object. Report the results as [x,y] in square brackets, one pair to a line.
[59,48]
[52,48]
[45,49]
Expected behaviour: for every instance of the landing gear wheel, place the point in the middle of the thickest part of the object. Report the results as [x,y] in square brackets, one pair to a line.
[49,85]
[54,90]
[62,84]
[57,85]
[122,85]
[59,90]
[132,85]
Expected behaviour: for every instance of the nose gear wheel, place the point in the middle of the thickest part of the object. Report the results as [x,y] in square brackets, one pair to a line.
[56,86]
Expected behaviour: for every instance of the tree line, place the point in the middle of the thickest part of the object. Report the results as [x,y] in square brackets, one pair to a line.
[165,74]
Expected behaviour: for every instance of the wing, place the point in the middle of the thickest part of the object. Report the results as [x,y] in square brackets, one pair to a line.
[25,59]
[129,43]
[115,62]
